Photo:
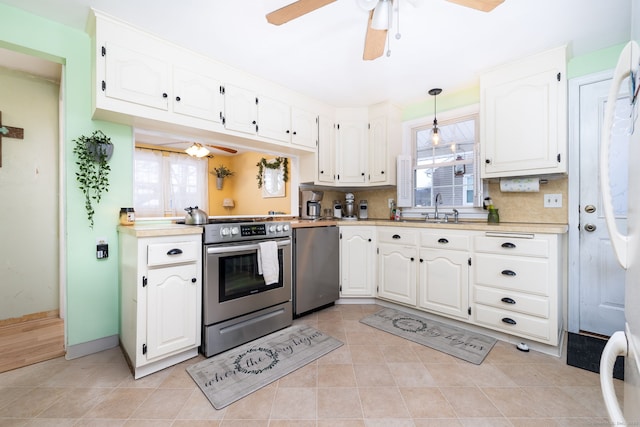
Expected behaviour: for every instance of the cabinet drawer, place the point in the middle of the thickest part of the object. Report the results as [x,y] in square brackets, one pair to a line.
[172,253]
[519,274]
[513,323]
[513,301]
[444,240]
[400,236]
[512,245]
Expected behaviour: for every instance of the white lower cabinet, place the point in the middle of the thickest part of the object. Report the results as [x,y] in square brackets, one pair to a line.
[517,285]
[357,261]
[507,282]
[443,278]
[160,297]
[397,264]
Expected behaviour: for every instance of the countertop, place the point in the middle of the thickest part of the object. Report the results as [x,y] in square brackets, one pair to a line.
[156,230]
[478,225]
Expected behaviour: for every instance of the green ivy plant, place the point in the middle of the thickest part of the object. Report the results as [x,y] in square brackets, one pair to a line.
[273,164]
[222,172]
[93,153]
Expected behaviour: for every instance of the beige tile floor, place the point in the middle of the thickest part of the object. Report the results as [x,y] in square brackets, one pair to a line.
[375,380]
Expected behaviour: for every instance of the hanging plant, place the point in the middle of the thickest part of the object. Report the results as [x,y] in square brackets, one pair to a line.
[276,163]
[93,153]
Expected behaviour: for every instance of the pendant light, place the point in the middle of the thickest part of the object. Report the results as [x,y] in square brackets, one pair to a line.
[435,136]
[197,150]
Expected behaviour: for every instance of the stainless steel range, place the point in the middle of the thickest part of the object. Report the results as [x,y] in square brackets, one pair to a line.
[238,304]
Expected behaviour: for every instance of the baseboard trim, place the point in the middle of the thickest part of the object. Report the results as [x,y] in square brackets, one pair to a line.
[584,351]
[90,347]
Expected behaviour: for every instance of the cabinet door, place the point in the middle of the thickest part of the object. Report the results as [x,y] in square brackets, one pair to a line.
[241,109]
[274,119]
[304,128]
[444,282]
[397,273]
[326,151]
[136,77]
[524,117]
[173,313]
[357,256]
[350,141]
[197,95]
[378,154]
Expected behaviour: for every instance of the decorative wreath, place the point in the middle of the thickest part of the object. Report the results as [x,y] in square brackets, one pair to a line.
[273,164]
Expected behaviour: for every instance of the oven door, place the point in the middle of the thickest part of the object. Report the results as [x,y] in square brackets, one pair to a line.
[232,285]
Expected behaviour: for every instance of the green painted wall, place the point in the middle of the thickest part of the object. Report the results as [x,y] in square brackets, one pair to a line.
[593,62]
[91,285]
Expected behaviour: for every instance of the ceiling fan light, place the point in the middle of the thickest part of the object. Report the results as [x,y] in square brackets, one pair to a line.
[197,150]
[381,15]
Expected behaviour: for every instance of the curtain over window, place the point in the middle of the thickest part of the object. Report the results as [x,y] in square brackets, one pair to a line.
[166,183]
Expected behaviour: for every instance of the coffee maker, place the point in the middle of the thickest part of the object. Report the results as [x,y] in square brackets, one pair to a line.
[310,207]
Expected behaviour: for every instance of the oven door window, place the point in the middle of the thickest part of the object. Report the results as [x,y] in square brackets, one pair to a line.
[239,275]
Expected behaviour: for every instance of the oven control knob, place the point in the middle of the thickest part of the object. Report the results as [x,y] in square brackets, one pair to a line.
[224,231]
[234,230]
[272,229]
[285,227]
[278,228]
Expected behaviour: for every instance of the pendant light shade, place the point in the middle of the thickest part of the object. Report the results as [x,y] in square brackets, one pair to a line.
[435,133]
[381,15]
[197,150]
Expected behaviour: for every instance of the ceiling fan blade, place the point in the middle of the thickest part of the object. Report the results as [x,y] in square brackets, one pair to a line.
[295,10]
[482,5]
[218,147]
[374,41]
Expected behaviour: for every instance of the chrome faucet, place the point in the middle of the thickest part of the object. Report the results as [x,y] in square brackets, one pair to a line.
[438,200]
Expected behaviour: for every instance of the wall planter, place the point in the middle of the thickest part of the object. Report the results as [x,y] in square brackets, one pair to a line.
[93,153]
[221,172]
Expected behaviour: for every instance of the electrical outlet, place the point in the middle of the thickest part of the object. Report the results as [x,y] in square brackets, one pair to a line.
[390,203]
[553,200]
[102,248]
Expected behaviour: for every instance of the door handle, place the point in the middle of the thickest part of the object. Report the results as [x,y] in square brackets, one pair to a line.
[508,273]
[174,251]
[590,228]
[395,236]
[443,240]
[589,209]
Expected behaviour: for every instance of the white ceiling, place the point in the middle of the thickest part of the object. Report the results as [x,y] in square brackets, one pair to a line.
[320,54]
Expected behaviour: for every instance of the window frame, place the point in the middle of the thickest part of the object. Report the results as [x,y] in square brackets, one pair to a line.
[410,129]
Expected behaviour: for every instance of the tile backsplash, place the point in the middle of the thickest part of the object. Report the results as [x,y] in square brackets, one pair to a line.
[513,207]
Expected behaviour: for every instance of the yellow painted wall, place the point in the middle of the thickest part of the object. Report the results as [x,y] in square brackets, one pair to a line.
[242,187]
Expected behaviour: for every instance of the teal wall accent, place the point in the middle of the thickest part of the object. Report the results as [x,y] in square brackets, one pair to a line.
[91,285]
[593,62]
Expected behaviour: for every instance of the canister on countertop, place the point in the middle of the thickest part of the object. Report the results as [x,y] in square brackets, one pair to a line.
[127,216]
[337,209]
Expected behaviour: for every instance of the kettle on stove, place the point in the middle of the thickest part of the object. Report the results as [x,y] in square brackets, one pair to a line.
[195,216]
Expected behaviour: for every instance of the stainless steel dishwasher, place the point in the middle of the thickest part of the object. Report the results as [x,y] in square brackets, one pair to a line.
[316,268]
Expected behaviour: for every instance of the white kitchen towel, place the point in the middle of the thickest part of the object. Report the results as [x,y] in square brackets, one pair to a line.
[268,264]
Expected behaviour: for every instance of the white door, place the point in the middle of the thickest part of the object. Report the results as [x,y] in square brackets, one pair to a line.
[357,254]
[601,277]
[397,273]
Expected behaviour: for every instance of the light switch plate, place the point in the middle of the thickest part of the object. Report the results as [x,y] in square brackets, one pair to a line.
[553,200]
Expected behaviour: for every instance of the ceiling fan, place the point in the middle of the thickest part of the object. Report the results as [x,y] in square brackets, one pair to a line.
[377,28]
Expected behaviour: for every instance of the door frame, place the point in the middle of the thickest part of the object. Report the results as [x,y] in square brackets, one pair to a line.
[573,286]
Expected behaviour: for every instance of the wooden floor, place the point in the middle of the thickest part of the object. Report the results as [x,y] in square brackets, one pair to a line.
[30,340]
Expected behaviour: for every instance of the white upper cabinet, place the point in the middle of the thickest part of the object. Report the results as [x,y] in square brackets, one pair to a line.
[140,76]
[367,141]
[304,128]
[283,122]
[351,143]
[326,151]
[524,117]
[241,109]
[197,95]
[136,77]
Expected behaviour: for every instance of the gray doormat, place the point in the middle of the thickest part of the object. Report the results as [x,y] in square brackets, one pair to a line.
[457,342]
[239,372]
